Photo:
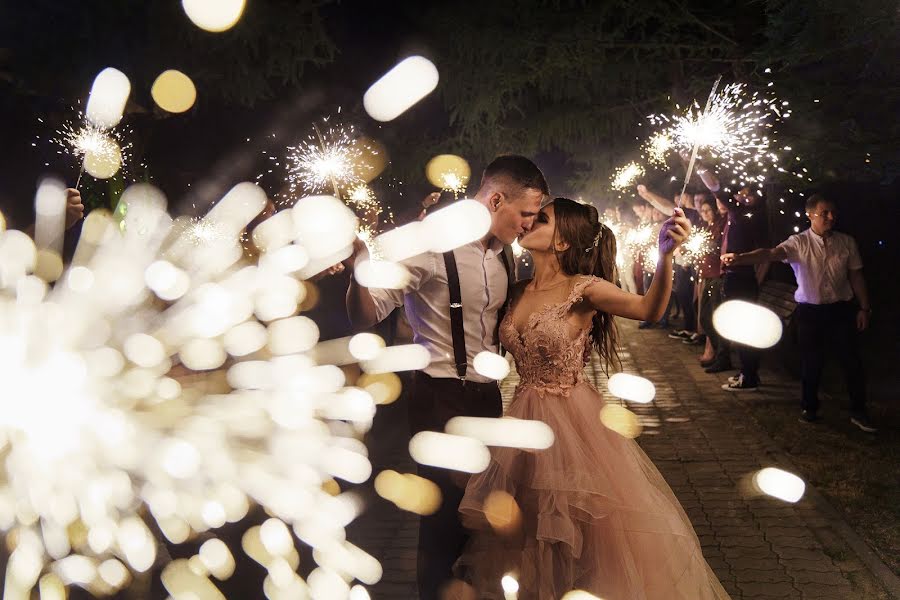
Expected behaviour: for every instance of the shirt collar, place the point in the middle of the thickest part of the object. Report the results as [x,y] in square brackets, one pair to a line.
[495,247]
[816,236]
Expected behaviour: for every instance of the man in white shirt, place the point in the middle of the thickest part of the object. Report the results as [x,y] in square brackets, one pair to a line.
[829,276]
[513,190]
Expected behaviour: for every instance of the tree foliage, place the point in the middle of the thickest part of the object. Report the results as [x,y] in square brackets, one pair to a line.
[579,76]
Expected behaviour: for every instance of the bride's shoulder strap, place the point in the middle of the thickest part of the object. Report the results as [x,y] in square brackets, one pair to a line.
[578,289]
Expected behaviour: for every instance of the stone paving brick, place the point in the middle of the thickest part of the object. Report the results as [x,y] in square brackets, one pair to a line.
[761,576]
[776,590]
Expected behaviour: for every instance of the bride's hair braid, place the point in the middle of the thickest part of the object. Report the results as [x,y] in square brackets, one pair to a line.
[591,251]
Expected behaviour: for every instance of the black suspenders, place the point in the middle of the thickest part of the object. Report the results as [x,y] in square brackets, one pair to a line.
[457,329]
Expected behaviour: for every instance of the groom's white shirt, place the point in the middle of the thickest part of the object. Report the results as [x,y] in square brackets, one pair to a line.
[426,298]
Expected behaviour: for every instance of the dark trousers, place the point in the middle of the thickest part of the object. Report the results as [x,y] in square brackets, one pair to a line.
[442,537]
[741,285]
[820,326]
[710,299]
[684,293]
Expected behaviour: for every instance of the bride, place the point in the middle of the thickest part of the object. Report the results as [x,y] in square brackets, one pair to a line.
[596,515]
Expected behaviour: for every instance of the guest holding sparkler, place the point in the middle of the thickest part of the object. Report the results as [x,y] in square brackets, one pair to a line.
[683,291]
[741,234]
[829,276]
[710,271]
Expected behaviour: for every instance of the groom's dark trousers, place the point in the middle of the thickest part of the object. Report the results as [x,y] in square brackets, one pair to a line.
[433,402]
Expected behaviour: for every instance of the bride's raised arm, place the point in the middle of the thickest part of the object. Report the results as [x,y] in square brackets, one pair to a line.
[611,299]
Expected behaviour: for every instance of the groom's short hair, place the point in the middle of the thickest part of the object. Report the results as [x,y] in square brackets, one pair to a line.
[518,169]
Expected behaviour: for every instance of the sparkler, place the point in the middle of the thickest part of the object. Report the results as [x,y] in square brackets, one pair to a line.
[735,129]
[625,176]
[335,158]
[323,159]
[704,131]
[109,149]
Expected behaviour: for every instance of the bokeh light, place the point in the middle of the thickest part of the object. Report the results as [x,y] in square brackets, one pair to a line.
[449,452]
[448,172]
[621,420]
[213,15]
[515,433]
[747,323]
[173,91]
[400,88]
[491,365]
[104,162]
[631,387]
[780,484]
[108,97]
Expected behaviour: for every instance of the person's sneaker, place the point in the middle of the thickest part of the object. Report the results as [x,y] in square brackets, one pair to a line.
[863,423]
[695,339]
[734,379]
[741,385]
[718,367]
[807,416]
[680,334]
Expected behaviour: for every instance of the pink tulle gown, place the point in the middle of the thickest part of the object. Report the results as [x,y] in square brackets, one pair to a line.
[596,514]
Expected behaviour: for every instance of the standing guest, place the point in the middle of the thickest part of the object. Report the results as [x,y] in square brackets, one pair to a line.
[512,189]
[739,281]
[683,291]
[829,276]
[710,270]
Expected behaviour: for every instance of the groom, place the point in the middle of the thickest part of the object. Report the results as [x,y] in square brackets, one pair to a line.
[453,303]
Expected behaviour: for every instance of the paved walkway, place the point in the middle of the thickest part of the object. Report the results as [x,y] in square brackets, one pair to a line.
[706,444]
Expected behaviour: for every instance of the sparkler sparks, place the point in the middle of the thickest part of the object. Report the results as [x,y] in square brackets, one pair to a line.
[102,152]
[698,244]
[452,182]
[363,198]
[626,176]
[325,159]
[105,428]
[203,232]
[735,131]
[657,148]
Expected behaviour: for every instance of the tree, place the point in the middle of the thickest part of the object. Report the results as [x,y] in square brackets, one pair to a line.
[580,76]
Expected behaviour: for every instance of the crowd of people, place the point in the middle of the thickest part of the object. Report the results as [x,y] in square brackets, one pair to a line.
[832,299]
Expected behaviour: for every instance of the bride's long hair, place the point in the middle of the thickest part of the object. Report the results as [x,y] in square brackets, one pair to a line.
[579,225]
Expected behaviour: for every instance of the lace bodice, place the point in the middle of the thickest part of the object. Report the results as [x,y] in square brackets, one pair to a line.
[547,356]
